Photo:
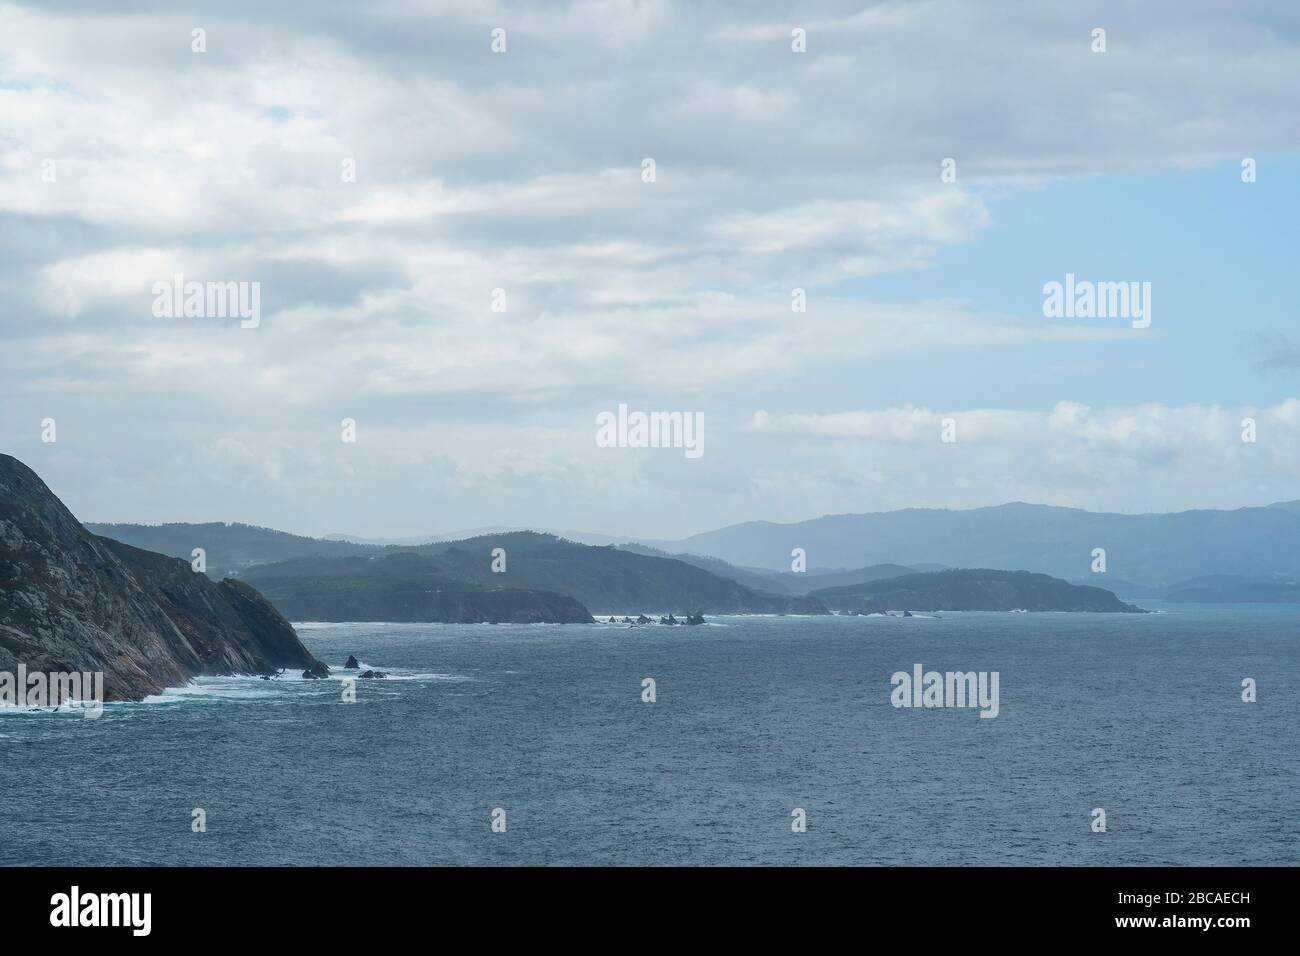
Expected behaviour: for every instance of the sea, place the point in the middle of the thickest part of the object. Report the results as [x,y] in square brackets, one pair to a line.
[745,741]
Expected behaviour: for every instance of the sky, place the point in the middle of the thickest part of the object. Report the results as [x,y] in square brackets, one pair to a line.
[379,170]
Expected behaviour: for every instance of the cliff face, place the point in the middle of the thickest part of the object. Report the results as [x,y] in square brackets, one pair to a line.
[72,601]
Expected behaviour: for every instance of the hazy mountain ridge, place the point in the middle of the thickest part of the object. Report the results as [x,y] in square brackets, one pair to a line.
[411,541]
[230,548]
[1140,550]
[608,578]
[305,583]
[1233,589]
[781,582]
[757,579]
[605,579]
[1150,550]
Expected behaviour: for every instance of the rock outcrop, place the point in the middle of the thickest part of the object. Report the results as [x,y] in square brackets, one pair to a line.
[72,601]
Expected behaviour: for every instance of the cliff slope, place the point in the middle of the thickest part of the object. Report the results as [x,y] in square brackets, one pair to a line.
[72,601]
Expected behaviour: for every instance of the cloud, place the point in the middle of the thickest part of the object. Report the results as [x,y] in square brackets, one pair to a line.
[1278,353]
[1148,457]
[126,158]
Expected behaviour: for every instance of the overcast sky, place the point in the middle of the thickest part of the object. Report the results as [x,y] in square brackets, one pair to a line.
[126,158]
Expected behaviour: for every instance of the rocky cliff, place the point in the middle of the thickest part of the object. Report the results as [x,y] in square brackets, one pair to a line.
[72,601]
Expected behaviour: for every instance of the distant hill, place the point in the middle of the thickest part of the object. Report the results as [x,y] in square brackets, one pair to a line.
[400,585]
[814,580]
[1233,589]
[786,582]
[756,579]
[977,589]
[603,579]
[1148,549]
[582,537]
[608,578]
[230,548]
[1127,590]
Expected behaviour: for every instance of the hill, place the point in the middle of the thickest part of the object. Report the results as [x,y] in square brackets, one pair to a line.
[605,579]
[400,585]
[1150,550]
[972,590]
[230,549]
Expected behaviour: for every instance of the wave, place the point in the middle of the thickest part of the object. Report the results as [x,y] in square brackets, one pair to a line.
[252,688]
[24,710]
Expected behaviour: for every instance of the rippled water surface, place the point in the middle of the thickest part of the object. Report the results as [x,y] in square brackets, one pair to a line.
[1138,714]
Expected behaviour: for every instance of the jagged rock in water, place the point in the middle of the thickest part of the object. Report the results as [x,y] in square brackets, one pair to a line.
[72,601]
[696,618]
[373,675]
[642,619]
[352,664]
[317,671]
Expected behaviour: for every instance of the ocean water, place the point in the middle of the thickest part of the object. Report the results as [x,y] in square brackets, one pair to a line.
[1140,715]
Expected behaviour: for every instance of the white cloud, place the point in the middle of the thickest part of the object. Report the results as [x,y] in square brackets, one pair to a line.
[522,172]
[1149,457]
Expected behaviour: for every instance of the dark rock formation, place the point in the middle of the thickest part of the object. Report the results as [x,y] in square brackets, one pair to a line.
[373,675]
[317,671]
[642,619]
[696,618]
[72,601]
[352,664]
